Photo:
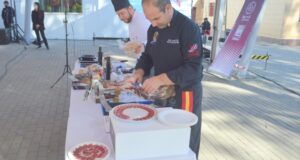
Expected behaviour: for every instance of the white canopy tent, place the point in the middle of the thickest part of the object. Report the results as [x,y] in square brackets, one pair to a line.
[97,19]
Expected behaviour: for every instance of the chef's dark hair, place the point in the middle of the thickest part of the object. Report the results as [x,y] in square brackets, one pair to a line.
[161,4]
[6,2]
[121,4]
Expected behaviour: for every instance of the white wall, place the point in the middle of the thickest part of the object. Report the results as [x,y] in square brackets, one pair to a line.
[98,17]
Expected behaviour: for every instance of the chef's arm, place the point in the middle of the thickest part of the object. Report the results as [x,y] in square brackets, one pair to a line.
[144,62]
[139,72]
[188,73]
[138,75]
[165,79]
[152,84]
[191,47]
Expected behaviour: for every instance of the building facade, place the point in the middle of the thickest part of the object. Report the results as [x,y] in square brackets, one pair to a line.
[280,24]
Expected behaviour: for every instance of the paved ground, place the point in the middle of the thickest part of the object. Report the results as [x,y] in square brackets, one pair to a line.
[249,119]
[282,67]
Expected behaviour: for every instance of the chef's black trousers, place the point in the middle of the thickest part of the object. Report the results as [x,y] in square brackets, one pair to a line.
[196,129]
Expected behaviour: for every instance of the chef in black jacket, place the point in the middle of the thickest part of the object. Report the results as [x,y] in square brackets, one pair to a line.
[174,49]
[37,16]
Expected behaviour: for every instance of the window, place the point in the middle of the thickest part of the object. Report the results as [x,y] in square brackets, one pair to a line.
[211,9]
[74,6]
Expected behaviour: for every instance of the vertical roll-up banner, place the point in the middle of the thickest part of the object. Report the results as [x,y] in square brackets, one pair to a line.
[235,43]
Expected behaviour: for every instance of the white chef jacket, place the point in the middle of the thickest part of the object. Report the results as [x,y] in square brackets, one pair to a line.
[138,28]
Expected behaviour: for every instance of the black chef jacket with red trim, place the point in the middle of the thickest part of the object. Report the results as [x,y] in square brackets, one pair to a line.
[177,51]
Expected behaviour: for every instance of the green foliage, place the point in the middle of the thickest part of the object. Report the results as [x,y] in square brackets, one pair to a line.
[77,7]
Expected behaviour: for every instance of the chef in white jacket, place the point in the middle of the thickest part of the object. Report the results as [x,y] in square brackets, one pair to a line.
[138,25]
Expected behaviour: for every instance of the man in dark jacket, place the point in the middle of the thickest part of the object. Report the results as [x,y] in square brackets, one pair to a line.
[37,17]
[206,27]
[174,50]
[8,14]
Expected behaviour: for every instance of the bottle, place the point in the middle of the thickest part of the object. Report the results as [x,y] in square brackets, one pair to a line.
[120,76]
[108,68]
[100,56]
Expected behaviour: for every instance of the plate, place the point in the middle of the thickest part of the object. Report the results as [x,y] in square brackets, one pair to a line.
[90,151]
[177,118]
[133,112]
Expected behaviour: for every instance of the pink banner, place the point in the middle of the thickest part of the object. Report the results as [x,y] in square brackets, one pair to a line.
[237,39]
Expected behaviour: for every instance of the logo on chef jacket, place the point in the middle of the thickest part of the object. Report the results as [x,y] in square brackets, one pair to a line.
[173,41]
[193,51]
[155,38]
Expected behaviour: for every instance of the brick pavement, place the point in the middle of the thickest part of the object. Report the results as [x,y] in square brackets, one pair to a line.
[250,119]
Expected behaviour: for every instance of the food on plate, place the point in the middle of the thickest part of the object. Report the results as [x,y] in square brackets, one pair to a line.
[86,80]
[85,75]
[91,152]
[109,95]
[123,112]
[95,68]
[116,85]
[96,77]
[83,71]
[165,92]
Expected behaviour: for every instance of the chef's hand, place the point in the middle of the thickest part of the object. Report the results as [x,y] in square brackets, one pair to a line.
[152,85]
[139,49]
[37,26]
[137,77]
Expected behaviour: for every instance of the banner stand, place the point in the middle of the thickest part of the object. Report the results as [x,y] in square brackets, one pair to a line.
[240,40]
[248,50]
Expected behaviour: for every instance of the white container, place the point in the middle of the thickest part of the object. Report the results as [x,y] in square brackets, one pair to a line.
[141,141]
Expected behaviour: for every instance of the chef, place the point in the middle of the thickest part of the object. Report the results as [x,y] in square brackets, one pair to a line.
[174,50]
[137,23]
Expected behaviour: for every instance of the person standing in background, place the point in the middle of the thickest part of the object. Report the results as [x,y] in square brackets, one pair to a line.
[37,17]
[205,30]
[8,14]
[206,27]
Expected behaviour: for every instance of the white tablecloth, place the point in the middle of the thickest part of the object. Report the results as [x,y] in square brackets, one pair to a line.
[86,123]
